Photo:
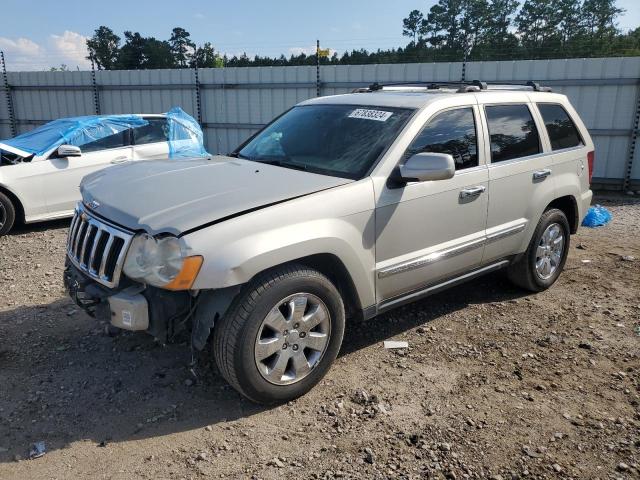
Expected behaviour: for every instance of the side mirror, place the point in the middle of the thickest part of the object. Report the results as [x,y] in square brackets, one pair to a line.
[68,151]
[423,167]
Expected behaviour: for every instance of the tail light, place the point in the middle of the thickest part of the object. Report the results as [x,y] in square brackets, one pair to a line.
[590,161]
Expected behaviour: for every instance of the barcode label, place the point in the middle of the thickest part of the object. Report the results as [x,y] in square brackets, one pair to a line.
[366,114]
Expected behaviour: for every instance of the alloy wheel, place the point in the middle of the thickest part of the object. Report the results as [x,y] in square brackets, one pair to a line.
[292,339]
[549,251]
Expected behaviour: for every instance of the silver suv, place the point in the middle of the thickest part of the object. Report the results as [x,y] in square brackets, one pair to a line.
[342,207]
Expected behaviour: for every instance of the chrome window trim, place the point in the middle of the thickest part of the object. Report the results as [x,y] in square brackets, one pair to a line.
[449,252]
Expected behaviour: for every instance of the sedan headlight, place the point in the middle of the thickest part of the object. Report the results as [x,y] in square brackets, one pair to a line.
[161,262]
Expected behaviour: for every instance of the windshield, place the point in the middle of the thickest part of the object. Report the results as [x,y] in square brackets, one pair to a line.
[338,140]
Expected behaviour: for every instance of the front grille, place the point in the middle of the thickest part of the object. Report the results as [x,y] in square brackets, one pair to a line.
[97,248]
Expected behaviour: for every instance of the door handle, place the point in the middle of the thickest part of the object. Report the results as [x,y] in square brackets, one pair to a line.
[472,191]
[119,160]
[541,174]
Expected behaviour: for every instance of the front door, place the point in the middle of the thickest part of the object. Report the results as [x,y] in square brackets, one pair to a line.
[63,175]
[429,231]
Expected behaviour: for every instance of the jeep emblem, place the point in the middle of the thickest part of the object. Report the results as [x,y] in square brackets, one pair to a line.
[94,204]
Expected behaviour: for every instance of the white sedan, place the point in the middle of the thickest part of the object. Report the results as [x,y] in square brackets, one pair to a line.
[41,170]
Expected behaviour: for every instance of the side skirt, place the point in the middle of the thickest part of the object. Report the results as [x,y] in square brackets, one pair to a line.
[392,303]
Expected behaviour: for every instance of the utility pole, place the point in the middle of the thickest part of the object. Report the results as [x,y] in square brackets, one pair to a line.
[317,68]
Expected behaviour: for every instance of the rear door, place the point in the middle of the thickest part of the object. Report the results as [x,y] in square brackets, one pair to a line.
[62,176]
[151,141]
[520,173]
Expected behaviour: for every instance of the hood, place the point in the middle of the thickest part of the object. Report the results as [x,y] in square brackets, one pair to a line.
[15,151]
[175,197]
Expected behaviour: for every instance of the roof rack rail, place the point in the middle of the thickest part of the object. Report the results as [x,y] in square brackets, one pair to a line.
[463,86]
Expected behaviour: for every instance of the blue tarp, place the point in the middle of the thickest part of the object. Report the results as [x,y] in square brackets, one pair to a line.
[596,217]
[185,135]
[73,131]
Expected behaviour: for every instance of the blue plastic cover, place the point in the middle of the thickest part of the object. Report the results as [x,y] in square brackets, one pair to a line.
[185,135]
[73,131]
[596,217]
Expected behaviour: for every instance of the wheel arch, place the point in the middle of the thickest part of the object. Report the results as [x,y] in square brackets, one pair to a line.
[17,204]
[569,206]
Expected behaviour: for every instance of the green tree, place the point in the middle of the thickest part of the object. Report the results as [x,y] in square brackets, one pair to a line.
[181,46]
[131,56]
[414,25]
[207,57]
[472,24]
[443,23]
[498,22]
[600,17]
[157,54]
[104,48]
[538,24]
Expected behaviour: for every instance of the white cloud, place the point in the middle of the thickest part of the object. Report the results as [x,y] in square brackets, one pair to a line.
[20,47]
[199,16]
[25,54]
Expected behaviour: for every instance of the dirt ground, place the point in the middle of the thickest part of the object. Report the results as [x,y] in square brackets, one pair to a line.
[496,383]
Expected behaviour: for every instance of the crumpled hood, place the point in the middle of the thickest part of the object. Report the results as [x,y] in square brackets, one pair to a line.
[178,196]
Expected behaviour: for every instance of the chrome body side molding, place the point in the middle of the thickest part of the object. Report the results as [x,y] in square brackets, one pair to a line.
[431,289]
[449,252]
[432,257]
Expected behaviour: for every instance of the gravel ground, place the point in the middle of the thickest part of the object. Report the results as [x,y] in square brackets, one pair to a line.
[496,383]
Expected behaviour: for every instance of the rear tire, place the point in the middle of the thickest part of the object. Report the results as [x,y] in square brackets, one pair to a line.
[265,345]
[7,214]
[540,266]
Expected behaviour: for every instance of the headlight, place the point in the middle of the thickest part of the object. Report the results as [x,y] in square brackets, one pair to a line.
[161,262]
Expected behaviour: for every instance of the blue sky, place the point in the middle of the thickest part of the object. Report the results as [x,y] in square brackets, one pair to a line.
[39,34]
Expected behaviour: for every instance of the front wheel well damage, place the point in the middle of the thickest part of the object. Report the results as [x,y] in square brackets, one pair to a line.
[212,304]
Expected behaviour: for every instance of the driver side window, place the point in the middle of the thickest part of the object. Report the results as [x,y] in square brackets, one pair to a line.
[116,140]
[452,132]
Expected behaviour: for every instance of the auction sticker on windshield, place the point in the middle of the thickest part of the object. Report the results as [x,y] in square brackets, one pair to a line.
[366,114]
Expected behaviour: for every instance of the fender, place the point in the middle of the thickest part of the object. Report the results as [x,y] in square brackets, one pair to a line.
[238,249]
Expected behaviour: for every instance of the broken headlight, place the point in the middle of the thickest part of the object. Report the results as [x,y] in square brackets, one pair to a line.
[161,262]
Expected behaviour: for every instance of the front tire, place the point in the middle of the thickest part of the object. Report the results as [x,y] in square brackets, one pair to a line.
[540,266]
[7,214]
[280,335]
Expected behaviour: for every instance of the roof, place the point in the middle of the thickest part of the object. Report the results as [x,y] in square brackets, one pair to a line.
[418,96]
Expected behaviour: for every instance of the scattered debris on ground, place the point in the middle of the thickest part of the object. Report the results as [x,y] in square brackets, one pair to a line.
[496,384]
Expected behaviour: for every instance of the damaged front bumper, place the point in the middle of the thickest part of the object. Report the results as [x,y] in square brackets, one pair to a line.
[131,306]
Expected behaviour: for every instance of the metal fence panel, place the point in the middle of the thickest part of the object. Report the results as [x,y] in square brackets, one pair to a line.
[235,102]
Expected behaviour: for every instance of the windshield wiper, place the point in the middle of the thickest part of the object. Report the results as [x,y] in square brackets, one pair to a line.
[239,155]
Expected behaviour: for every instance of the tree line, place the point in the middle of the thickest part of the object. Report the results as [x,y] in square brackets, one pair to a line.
[452,30]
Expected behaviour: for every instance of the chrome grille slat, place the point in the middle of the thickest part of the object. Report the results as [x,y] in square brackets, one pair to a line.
[87,236]
[79,234]
[86,240]
[105,255]
[92,255]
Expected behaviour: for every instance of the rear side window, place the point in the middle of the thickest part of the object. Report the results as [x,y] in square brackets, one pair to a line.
[452,132]
[157,130]
[513,132]
[561,129]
